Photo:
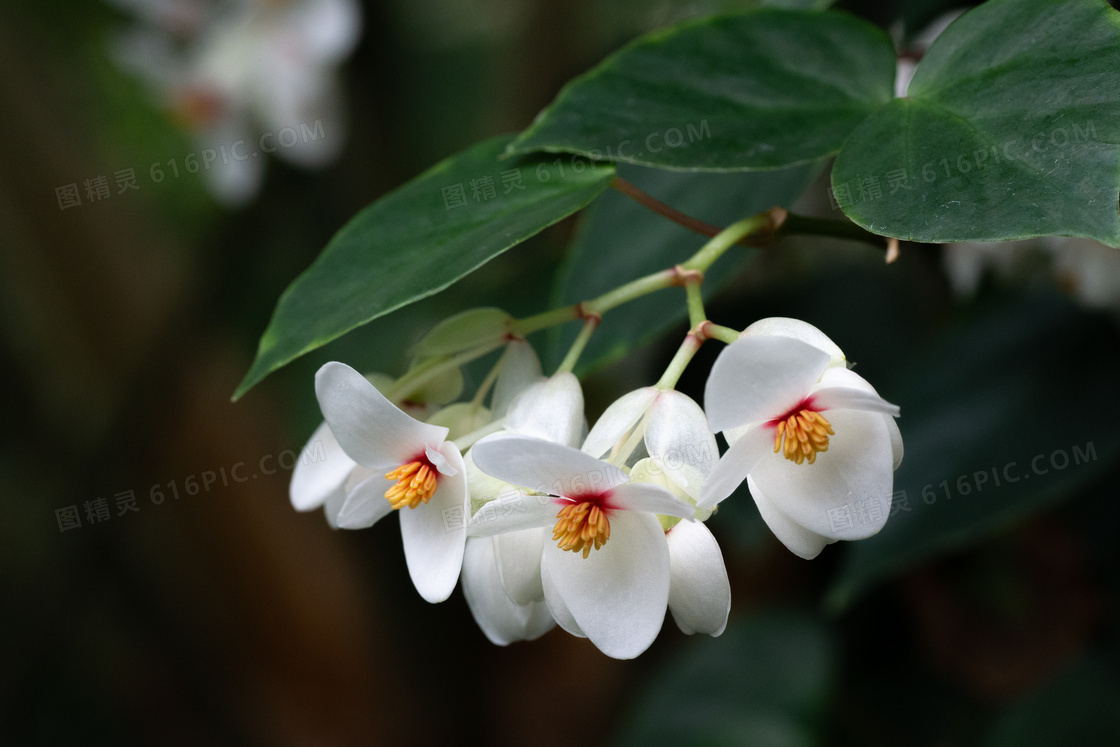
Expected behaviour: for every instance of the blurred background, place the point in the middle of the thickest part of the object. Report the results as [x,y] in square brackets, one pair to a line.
[151,597]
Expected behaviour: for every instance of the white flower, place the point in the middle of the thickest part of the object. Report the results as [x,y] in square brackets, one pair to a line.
[682,452]
[607,578]
[502,573]
[1088,270]
[402,464]
[264,68]
[320,475]
[816,444]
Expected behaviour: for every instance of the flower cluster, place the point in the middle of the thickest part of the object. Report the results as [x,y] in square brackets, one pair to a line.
[598,531]
[244,77]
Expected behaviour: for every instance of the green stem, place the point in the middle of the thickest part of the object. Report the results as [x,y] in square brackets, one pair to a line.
[724,240]
[522,327]
[723,334]
[788,224]
[576,350]
[679,363]
[696,313]
[425,372]
[491,377]
[630,291]
[621,453]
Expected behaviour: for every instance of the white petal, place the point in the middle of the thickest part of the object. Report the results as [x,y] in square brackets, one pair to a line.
[650,499]
[482,487]
[441,463]
[779,326]
[551,409]
[735,464]
[799,540]
[365,502]
[233,181]
[557,606]
[842,389]
[617,421]
[543,466]
[756,379]
[896,440]
[846,493]
[521,368]
[699,592]
[371,430]
[519,564]
[434,533]
[677,436]
[321,470]
[843,398]
[513,511]
[618,594]
[328,29]
[501,620]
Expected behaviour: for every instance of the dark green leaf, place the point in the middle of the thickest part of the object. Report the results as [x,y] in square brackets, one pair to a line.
[760,90]
[1011,129]
[415,241]
[1001,420]
[619,240]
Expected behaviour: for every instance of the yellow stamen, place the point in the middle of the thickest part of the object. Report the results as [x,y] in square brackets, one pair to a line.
[802,435]
[416,484]
[581,527]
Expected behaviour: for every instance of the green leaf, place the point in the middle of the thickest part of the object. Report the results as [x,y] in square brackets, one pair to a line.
[1011,129]
[765,681]
[1002,420]
[620,240]
[415,241]
[761,90]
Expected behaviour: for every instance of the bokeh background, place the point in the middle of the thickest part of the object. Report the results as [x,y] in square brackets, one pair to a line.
[213,613]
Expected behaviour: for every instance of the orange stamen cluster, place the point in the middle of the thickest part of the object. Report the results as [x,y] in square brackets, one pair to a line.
[416,484]
[802,435]
[581,527]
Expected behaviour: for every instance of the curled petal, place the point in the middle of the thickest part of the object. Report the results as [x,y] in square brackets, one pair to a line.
[618,594]
[799,540]
[518,555]
[511,511]
[650,499]
[371,430]
[846,493]
[557,606]
[734,466]
[678,437]
[756,379]
[543,466]
[896,440]
[365,502]
[434,533]
[521,368]
[551,410]
[501,620]
[778,326]
[699,592]
[321,470]
[617,421]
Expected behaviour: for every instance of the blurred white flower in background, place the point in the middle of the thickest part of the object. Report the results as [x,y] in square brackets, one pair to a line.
[245,79]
